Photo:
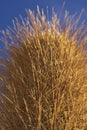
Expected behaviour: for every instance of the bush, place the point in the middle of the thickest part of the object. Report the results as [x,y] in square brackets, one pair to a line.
[45,75]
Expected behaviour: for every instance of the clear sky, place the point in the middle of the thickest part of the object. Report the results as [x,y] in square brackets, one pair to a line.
[9,9]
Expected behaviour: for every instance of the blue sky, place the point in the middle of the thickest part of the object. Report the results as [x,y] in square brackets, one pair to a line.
[9,9]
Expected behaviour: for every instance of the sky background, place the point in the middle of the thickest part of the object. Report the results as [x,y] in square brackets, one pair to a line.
[9,9]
